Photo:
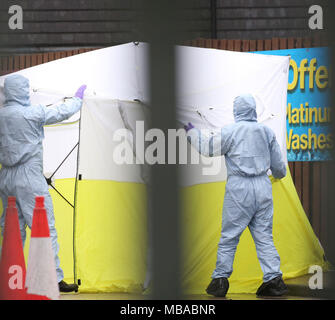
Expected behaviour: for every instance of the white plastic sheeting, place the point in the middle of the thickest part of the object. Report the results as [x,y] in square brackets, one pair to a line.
[208,80]
[117,72]
[102,138]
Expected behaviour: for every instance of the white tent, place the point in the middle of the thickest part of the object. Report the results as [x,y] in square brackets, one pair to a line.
[106,233]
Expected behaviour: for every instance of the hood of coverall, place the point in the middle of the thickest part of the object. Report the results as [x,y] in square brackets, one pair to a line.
[245,108]
[16,89]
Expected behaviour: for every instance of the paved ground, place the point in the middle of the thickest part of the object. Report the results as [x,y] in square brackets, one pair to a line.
[116,296]
[299,290]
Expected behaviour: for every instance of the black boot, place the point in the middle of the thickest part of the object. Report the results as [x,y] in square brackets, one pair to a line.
[64,287]
[273,288]
[218,287]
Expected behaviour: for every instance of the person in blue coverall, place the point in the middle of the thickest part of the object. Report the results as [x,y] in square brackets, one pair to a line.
[250,149]
[21,156]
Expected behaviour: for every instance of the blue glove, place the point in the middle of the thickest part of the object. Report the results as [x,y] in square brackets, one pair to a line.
[80,92]
[189,126]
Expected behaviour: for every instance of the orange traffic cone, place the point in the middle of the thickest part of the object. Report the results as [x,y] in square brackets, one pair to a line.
[41,279]
[12,264]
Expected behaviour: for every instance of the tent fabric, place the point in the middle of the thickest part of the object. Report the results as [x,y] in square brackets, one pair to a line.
[104,241]
[100,122]
[119,72]
[110,236]
[208,82]
[293,236]
[210,79]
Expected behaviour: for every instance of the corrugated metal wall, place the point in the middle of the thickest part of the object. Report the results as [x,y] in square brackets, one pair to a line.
[13,63]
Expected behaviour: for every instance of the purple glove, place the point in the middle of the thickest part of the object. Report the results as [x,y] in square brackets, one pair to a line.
[188,127]
[80,92]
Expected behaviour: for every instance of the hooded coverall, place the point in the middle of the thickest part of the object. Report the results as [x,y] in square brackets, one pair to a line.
[250,150]
[21,154]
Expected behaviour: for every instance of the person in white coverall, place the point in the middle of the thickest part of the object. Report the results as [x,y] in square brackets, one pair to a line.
[21,156]
[250,149]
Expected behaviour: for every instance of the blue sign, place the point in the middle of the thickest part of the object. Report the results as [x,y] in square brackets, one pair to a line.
[309,136]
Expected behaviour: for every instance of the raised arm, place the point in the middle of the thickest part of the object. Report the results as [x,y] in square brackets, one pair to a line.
[64,111]
[209,145]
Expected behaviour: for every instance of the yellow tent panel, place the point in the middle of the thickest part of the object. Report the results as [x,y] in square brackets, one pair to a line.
[294,238]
